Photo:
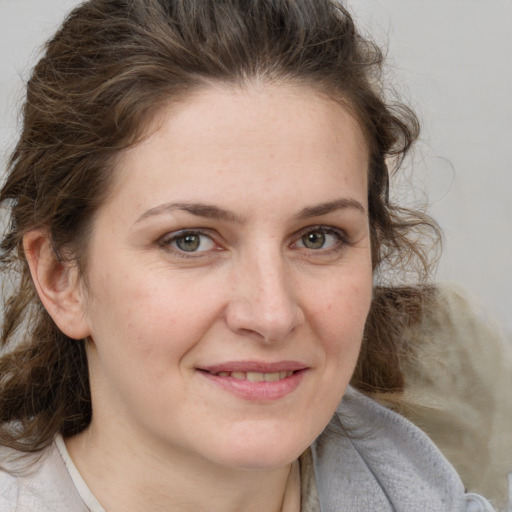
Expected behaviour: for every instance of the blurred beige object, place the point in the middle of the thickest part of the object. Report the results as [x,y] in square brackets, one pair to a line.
[458,385]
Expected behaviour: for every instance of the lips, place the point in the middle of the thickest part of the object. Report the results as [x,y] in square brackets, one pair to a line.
[257,376]
[256,381]
[255,366]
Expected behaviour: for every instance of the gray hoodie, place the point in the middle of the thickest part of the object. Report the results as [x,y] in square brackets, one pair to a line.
[372,459]
[368,459]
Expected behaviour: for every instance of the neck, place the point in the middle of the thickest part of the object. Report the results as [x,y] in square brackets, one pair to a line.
[137,480]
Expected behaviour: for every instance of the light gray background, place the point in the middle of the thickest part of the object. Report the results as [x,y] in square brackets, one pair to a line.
[452,59]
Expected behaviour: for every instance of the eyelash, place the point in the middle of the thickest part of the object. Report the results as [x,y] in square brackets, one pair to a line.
[167,241]
[341,241]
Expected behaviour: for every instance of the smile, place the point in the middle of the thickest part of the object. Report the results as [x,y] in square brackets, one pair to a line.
[256,376]
[256,381]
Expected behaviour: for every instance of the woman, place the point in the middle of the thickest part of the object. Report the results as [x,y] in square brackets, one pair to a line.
[199,211]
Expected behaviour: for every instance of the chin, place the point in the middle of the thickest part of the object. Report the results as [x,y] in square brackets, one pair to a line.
[263,461]
[263,452]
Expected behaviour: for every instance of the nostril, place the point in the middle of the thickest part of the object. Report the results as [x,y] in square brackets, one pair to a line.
[250,332]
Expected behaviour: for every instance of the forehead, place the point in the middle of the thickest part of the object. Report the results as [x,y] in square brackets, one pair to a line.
[259,113]
[236,136]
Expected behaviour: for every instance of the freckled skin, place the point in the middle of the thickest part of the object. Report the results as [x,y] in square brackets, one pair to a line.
[155,315]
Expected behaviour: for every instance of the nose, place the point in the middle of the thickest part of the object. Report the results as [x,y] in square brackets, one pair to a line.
[263,303]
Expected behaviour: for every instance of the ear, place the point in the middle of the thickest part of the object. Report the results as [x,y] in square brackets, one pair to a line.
[57,283]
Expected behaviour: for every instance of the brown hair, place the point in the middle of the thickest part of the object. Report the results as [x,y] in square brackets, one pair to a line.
[104,75]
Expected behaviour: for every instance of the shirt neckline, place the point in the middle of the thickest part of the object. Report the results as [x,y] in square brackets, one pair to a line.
[82,488]
[309,489]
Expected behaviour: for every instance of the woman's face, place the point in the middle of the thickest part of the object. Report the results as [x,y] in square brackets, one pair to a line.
[229,277]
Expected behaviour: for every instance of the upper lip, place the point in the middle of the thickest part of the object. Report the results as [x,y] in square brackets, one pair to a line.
[255,366]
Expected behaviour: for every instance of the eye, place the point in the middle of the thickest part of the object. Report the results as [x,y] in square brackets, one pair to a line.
[314,240]
[320,238]
[189,242]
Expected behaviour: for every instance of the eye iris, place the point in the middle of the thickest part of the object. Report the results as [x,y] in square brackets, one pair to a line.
[188,243]
[314,240]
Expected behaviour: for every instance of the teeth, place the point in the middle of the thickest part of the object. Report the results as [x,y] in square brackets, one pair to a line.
[257,376]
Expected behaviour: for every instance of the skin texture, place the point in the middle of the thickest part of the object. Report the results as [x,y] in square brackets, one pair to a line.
[269,183]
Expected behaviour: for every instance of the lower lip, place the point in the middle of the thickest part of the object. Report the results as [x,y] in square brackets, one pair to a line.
[258,391]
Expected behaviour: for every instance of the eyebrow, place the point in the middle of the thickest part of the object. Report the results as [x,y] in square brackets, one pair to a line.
[198,209]
[329,207]
[214,212]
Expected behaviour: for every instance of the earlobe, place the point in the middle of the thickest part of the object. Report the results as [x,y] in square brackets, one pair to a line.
[57,284]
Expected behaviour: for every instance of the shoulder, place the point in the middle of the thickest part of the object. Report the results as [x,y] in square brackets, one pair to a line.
[370,458]
[36,483]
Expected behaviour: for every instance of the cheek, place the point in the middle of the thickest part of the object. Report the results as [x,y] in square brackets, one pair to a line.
[149,314]
[341,310]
